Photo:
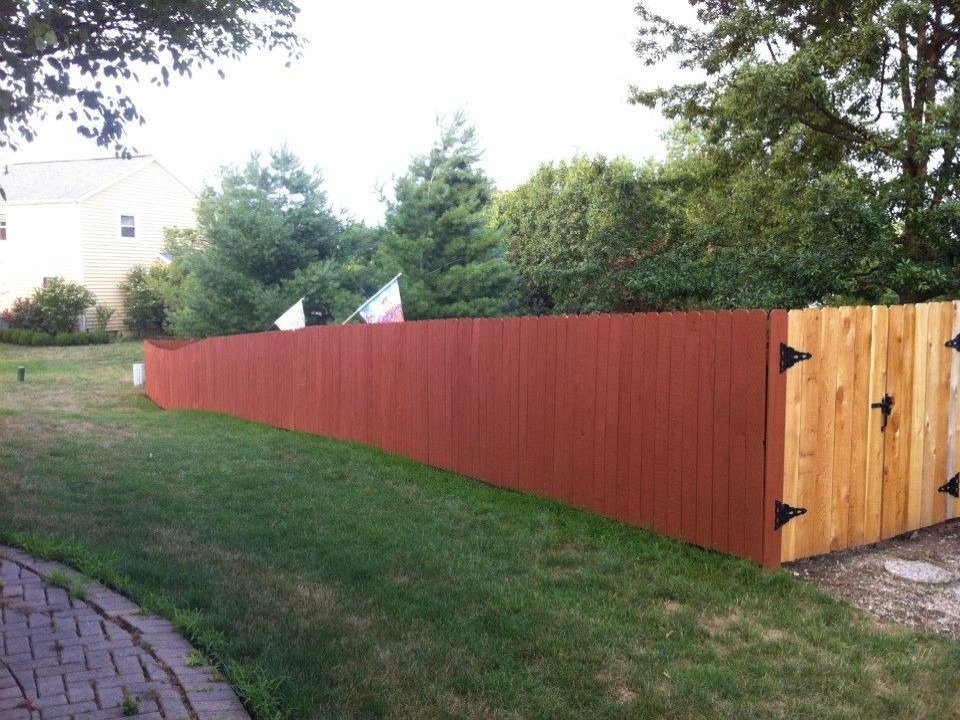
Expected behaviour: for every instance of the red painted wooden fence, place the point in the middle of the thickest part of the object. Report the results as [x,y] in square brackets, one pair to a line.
[657,420]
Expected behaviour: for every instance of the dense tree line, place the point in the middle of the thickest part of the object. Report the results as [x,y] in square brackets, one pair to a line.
[813,159]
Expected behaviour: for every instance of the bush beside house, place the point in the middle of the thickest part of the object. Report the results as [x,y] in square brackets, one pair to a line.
[51,316]
[15,336]
[144,305]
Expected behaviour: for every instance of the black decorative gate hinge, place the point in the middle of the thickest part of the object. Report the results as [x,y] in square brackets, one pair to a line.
[952,487]
[791,356]
[955,343]
[785,513]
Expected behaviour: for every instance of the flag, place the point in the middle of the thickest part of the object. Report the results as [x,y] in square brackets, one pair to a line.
[385,306]
[292,319]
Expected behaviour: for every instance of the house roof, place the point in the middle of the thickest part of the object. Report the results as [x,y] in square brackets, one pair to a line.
[65,180]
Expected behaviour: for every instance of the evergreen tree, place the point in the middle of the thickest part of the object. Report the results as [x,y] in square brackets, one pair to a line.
[267,238]
[437,233]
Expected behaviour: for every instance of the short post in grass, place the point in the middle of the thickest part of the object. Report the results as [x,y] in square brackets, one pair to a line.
[21,374]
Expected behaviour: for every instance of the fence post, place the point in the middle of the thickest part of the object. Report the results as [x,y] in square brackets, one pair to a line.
[774,449]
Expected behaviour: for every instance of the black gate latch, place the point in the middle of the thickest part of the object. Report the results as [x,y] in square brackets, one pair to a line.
[785,513]
[791,356]
[952,487]
[955,343]
[885,407]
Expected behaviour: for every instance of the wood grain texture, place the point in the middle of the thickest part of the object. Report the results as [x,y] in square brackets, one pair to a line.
[875,461]
[791,438]
[917,384]
[777,412]
[858,419]
[953,417]
[844,447]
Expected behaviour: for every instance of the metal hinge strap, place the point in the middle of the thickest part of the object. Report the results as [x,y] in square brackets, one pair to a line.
[952,487]
[791,356]
[785,513]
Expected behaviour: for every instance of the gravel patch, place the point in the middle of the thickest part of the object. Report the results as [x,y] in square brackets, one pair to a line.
[911,580]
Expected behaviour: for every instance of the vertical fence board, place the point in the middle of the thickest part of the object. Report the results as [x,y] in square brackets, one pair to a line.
[706,351]
[739,382]
[917,384]
[611,430]
[755,357]
[821,513]
[690,426]
[642,371]
[620,479]
[809,372]
[775,438]
[662,423]
[843,410]
[933,504]
[597,437]
[879,351]
[677,377]
[856,403]
[527,407]
[720,505]
[953,414]
[547,340]
[896,463]
[565,409]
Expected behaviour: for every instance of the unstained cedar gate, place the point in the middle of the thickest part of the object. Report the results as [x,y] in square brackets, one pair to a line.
[673,421]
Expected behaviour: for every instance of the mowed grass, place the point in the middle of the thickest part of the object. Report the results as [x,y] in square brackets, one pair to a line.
[350,583]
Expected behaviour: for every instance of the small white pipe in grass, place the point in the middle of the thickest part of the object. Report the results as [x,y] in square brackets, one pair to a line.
[139,375]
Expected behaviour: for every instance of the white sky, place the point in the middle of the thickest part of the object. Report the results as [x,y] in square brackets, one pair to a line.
[541,80]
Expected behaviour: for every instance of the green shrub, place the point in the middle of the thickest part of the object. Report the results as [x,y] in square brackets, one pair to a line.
[63,303]
[18,336]
[104,313]
[25,313]
[144,308]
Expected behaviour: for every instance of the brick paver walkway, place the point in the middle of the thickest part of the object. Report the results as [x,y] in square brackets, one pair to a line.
[94,658]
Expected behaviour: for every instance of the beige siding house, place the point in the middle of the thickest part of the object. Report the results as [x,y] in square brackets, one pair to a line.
[88,221]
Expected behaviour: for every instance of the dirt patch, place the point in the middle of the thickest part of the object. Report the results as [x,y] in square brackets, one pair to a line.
[718,624]
[860,577]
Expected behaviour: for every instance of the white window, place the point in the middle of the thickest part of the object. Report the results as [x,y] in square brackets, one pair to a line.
[3,227]
[128,226]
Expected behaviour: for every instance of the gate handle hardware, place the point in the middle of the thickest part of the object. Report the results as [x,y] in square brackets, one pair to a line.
[791,356]
[952,487]
[785,513]
[885,407]
[955,343]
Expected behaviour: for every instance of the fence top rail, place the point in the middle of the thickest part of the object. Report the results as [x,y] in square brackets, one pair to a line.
[179,344]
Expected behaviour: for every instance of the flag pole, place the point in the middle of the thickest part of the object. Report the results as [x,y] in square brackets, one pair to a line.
[367,301]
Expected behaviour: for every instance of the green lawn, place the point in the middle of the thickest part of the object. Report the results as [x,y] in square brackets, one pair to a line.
[332,580]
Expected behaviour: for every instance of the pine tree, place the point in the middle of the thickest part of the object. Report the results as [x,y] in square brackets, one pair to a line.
[437,232]
[268,237]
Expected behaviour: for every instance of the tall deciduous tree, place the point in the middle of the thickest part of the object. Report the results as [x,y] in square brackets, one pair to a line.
[437,233]
[872,85]
[79,54]
[578,229]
